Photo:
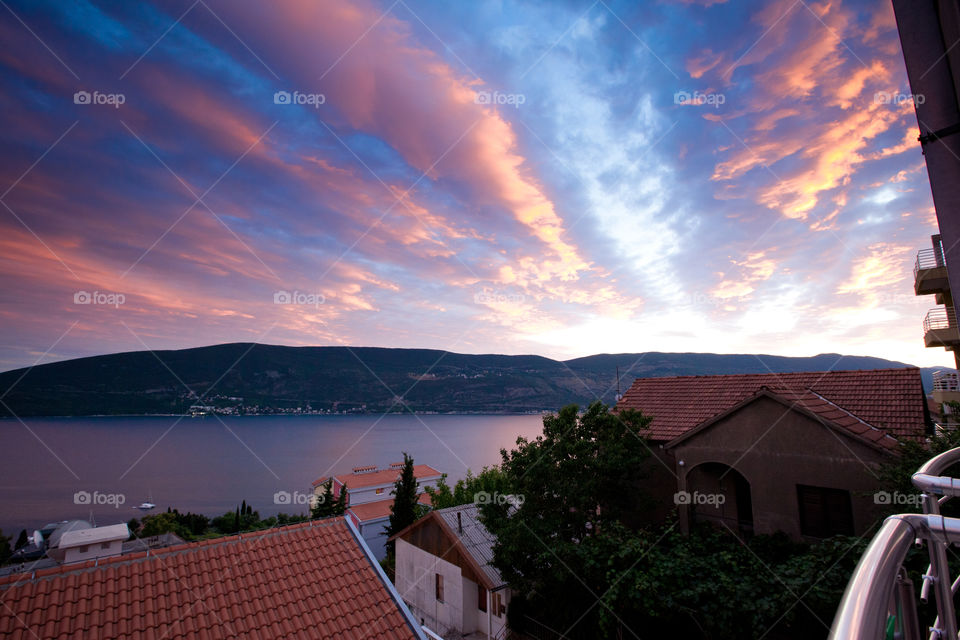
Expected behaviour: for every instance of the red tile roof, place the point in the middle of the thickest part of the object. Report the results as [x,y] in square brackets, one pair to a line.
[298,581]
[380,508]
[891,400]
[374,478]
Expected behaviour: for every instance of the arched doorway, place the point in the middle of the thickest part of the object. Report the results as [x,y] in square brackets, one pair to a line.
[718,493]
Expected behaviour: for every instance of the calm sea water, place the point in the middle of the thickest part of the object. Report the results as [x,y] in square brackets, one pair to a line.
[208,466]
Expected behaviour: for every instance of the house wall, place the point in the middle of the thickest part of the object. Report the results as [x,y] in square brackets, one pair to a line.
[74,554]
[363,495]
[497,623]
[655,487]
[775,449]
[415,582]
[374,535]
[469,606]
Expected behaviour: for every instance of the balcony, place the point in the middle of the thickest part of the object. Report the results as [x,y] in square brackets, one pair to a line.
[930,270]
[940,329]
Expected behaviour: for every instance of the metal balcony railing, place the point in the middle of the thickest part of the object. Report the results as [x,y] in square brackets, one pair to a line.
[879,601]
[939,318]
[930,258]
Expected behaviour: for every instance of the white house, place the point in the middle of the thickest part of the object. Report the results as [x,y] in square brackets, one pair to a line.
[369,500]
[443,573]
[88,544]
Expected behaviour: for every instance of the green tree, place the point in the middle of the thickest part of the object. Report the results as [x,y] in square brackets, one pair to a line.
[406,508]
[491,481]
[340,506]
[323,505]
[161,523]
[581,478]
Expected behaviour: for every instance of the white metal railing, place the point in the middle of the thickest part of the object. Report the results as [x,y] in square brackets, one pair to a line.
[930,258]
[879,600]
[939,318]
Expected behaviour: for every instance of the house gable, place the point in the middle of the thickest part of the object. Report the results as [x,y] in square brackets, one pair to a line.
[432,535]
[776,406]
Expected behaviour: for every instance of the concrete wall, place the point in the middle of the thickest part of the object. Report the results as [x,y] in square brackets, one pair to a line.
[497,623]
[469,607]
[655,487]
[94,550]
[374,535]
[415,582]
[775,450]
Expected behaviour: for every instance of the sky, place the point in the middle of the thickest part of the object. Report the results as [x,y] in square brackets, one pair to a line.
[558,178]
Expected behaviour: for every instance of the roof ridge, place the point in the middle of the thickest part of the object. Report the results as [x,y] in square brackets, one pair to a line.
[141,556]
[779,373]
[852,415]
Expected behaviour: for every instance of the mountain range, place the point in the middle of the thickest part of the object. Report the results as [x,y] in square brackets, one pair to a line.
[260,378]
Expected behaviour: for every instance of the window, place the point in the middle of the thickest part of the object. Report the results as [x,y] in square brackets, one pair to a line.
[496,603]
[824,512]
[380,490]
[104,545]
[481,599]
[83,549]
[439,587]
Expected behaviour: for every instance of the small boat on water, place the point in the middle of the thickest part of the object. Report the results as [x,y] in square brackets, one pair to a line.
[147,504]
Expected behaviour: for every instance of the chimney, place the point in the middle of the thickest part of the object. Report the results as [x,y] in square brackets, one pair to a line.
[459,524]
[368,469]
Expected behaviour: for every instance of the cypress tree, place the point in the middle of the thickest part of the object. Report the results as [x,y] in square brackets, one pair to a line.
[404,511]
[340,507]
[323,506]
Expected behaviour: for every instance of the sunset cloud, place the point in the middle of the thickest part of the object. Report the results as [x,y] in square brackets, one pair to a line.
[586,209]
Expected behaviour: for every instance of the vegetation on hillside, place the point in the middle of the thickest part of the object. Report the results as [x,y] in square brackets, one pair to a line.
[270,378]
[194,526]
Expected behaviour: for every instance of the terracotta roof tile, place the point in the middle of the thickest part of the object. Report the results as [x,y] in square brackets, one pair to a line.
[891,400]
[380,508]
[277,583]
[381,477]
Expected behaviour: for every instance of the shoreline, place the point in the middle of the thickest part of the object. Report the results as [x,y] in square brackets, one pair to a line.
[287,415]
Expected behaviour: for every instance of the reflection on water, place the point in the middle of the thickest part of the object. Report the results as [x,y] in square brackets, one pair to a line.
[208,465]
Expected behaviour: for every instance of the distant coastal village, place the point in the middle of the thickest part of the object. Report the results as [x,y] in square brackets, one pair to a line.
[224,406]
